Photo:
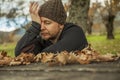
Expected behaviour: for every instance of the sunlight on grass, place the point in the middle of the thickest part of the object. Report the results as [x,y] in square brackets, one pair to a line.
[101,44]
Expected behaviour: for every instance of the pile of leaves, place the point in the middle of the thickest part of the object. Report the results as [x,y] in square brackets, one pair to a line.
[4,58]
[23,58]
[85,56]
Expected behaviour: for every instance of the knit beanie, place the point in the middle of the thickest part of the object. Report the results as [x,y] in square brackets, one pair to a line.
[54,10]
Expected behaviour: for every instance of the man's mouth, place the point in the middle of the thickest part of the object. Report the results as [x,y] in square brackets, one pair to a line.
[44,34]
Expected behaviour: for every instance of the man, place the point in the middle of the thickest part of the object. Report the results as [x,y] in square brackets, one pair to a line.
[49,31]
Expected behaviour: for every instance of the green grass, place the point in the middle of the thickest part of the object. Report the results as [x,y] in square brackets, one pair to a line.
[8,47]
[99,43]
[103,45]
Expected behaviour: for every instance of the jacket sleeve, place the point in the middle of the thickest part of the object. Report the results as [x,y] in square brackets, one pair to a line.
[73,39]
[31,38]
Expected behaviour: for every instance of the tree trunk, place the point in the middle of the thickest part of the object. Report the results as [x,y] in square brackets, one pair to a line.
[90,23]
[109,26]
[78,13]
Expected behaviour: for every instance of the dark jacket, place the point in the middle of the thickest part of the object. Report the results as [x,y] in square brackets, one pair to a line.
[72,38]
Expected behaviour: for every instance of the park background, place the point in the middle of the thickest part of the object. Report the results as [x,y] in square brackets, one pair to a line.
[100,20]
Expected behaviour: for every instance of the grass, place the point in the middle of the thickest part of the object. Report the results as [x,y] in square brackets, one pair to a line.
[103,45]
[99,43]
[9,48]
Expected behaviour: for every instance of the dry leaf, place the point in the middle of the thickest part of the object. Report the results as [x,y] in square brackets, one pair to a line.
[72,58]
[38,57]
[108,57]
[47,57]
[62,58]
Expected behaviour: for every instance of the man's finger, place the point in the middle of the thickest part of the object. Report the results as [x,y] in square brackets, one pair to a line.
[34,5]
[38,8]
[34,8]
[30,7]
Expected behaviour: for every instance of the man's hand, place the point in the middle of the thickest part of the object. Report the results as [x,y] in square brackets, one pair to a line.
[33,9]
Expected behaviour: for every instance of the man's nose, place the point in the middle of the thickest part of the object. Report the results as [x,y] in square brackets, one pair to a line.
[42,26]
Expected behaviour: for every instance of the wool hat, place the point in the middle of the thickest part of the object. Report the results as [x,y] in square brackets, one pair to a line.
[54,10]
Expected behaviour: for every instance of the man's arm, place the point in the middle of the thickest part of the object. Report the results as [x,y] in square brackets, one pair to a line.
[30,38]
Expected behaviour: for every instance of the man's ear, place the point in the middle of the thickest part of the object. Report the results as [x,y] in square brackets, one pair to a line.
[61,26]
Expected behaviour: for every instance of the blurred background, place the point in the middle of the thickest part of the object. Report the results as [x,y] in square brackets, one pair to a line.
[100,20]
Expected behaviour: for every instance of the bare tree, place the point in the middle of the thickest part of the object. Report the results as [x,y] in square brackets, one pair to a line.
[113,7]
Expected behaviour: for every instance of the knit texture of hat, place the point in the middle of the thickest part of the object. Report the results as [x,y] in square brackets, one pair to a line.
[54,10]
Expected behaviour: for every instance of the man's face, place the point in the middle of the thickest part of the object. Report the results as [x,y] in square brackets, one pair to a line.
[49,29]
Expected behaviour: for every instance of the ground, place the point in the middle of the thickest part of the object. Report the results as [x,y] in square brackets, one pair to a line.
[39,71]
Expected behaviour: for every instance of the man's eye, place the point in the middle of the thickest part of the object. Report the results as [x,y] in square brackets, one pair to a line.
[47,22]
